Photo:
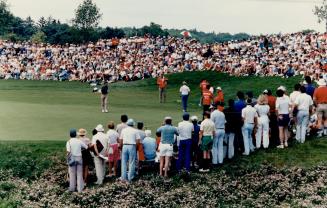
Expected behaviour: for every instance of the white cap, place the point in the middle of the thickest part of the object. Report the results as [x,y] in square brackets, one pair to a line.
[282,88]
[194,118]
[321,82]
[147,133]
[218,88]
[99,128]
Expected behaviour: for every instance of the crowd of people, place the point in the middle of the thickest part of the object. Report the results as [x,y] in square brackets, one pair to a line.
[144,57]
[243,126]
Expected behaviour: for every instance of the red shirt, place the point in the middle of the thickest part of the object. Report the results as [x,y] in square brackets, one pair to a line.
[272,103]
[320,95]
[162,82]
[207,97]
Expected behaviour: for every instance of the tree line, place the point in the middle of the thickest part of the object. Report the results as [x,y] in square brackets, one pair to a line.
[84,28]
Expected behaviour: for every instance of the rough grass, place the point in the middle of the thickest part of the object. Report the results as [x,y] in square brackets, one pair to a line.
[36,116]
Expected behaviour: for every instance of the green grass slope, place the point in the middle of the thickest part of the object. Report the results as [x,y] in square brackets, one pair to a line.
[46,110]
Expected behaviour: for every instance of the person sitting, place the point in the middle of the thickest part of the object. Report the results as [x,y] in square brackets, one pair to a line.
[149,146]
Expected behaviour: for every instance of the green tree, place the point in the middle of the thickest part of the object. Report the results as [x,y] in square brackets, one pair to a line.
[6,18]
[321,13]
[87,15]
[38,37]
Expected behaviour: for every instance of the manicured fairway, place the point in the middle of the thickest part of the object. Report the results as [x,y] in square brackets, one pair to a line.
[46,110]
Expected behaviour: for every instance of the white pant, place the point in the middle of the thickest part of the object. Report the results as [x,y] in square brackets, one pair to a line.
[76,175]
[229,139]
[262,132]
[218,147]
[301,125]
[99,169]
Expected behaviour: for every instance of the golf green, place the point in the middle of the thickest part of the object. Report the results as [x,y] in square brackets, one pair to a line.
[46,110]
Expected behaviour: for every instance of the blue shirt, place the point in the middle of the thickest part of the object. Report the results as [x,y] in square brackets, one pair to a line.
[149,147]
[196,132]
[167,134]
[310,89]
[239,105]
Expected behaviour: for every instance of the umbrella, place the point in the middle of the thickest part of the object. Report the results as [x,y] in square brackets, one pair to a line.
[186,34]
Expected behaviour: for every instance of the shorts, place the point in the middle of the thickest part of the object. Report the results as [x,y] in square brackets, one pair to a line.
[322,111]
[206,143]
[166,150]
[113,153]
[284,121]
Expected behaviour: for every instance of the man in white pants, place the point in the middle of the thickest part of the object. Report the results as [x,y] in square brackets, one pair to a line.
[99,162]
[304,103]
[218,118]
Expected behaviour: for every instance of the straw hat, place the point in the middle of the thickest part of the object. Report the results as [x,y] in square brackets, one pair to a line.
[82,132]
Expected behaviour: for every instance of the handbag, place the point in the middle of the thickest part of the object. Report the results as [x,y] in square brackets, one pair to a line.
[70,159]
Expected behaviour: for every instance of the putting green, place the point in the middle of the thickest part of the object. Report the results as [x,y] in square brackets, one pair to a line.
[46,110]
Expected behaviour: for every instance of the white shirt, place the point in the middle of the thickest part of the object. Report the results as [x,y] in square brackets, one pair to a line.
[103,138]
[74,146]
[283,104]
[262,110]
[208,127]
[112,136]
[248,114]
[218,118]
[129,135]
[303,102]
[184,90]
[293,96]
[185,129]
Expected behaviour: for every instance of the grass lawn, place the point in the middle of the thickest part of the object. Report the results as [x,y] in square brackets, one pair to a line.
[46,110]
[35,117]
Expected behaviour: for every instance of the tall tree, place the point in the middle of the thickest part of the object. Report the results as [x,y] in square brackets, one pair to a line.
[87,15]
[321,12]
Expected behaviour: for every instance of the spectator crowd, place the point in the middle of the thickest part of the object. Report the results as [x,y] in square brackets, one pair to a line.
[144,57]
[245,125]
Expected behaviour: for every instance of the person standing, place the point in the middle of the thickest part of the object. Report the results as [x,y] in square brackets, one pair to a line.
[129,139]
[74,149]
[86,155]
[262,135]
[162,84]
[113,148]
[218,118]
[249,116]
[122,125]
[104,97]
[320,99]
[203,87]
[195,140]
[230,129]
[185,129]
[207,98]
[99,141]
[168,133]
[310,89]
[219,99]
[185,92]
[283,104]
[273,125]
[238,107]
[303,103]
[207,132]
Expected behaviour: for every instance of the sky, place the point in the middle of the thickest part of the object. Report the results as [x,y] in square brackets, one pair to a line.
[233,16]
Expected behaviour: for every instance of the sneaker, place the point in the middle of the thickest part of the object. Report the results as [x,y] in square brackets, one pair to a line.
[280,146]
[286,144]
[102,111]
[201,170]
[206,170]
[106,111]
